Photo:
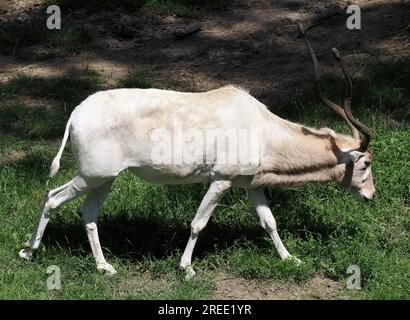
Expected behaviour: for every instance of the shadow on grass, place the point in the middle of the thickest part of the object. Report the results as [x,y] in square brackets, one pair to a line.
[384,87]
[33,41]
[33,122]
[45,119]
[70,89]
[157,223]
[132,236]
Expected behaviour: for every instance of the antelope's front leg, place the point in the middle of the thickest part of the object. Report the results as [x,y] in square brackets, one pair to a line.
[214,194]
[268,222]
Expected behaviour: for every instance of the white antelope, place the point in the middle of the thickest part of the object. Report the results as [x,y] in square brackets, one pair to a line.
[111,131]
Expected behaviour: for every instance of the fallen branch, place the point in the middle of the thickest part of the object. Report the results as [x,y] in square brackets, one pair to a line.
[183,34]
[317,17]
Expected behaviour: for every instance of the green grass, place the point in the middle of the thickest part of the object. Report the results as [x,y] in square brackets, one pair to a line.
[41,121]
[138,79]
[144,227]
[34,40]
[70,89]
[144,79]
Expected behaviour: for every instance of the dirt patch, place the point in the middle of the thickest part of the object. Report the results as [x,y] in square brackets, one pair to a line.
[12,156]
[28,101]
[228,287]
[143,283]
[250,43]
[318,288]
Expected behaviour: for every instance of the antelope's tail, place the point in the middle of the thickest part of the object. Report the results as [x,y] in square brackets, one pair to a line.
[55,165]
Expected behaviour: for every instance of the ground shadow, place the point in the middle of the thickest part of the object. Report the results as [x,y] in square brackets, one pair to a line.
[132,236]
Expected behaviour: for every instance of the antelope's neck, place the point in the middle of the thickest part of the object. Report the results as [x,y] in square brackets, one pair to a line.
[307,156]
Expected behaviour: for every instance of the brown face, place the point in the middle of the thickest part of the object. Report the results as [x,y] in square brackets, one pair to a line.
[359,179]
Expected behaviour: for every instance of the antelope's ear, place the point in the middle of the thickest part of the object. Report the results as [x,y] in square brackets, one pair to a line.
[329,131]
[355,155]
[350,155]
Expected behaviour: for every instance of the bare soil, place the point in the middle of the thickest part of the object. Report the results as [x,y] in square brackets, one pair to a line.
[318,288]
[252,43]
[228,287]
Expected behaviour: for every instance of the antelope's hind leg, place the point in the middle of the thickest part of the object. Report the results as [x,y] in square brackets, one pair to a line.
[54,198]
[89,212]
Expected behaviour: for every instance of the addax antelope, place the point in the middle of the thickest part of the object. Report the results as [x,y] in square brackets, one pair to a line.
[224,137]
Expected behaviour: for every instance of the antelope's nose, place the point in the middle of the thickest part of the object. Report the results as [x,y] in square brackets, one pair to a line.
[368,198]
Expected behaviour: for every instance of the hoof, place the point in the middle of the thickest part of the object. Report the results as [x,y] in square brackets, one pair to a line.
[26,254]
[107,269]
[190,273]
[297,261]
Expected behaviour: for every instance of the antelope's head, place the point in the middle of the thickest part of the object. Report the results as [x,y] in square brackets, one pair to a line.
[356,162]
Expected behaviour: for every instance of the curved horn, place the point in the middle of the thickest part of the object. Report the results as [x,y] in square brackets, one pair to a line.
[330,104]
[347,103]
